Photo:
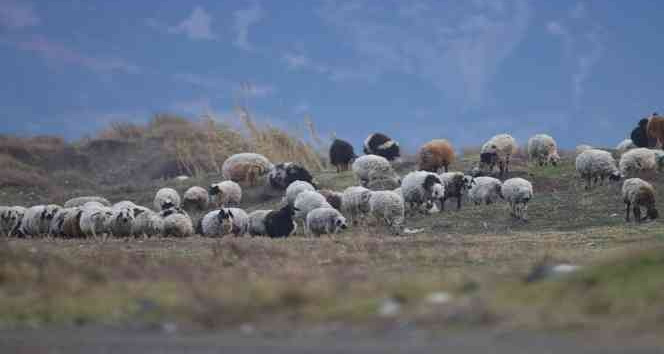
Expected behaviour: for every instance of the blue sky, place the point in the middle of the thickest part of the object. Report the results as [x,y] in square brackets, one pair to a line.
[582,71]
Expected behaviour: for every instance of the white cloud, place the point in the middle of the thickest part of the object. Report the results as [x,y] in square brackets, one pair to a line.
[586,61]
[243,20]
[197,26]
[16,15]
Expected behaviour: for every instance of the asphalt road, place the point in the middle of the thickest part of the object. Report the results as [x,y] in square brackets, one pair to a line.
[110,341]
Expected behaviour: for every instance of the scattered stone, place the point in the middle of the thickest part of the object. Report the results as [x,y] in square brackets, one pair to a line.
[390,307]
[439,298]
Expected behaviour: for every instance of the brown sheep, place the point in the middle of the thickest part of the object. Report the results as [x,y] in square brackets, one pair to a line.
[638,193]
[655,129]
[332,197]
[434,155]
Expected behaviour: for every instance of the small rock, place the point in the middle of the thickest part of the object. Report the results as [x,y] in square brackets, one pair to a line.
[169,327]
[439,298]
[410,231]
[389,308]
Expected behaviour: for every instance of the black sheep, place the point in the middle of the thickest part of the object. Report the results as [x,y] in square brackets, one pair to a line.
[341,154]
[284,174]
[640,137]
[381,145]
[279,223]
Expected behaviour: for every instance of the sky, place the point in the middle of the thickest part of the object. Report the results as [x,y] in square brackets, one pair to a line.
[581,71]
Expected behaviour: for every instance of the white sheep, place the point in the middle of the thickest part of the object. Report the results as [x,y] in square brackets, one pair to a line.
[381,181]
[10,219]
[625,146]
[388,207]
[497,150]
[228,193]
[306,202]
[421,188]
[166,198]
[122,219]
[542,149]
[246,167]
[55,226]
[176,222]
[147,223]
[257,222]
[355,203]
[581,148]
[225,221]
[94,220]
[638,193]
[37,219]
[485,190]
[641,160]
[593,165]
[324,221]
[195,199]
[79,201]
[294,189]
[375,165]
[518,192]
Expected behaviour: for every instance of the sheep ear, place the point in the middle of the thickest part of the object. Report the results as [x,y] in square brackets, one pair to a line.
[138,211]
[430,181]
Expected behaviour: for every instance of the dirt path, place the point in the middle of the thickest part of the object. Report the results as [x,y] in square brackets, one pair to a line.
[107,341]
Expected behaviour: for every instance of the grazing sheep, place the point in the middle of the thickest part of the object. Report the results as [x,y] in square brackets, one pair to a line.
[176,222]
[279,223]
[638,193]
[37,219]
[497,150]
[434,155]
[639,135]
[625,146]
[641,160]
[593,165]
[246,167]
[379,181]
[374,165]
[121,221]
[225,221]
[355,203]
[55,226]
[166,198]
[388,207]
[332,197]
[421,188]
[228,194]
[94,219]
[295,188]
[486,190]
[655,129]
[283,174]
[581,148]
[79,201]
[257,222]
[66,223]
[308,201]
[195,199]
[147,223]
[341,154]
[10,219]
[324,221]
[456,184]
[543,150]
[381,145]
[518,192]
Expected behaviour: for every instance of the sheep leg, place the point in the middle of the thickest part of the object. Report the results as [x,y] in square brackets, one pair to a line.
[627,207]
[459,203]
[442,203]
[524,212]
[637,213]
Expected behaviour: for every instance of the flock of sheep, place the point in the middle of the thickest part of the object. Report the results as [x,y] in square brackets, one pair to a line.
[381,194]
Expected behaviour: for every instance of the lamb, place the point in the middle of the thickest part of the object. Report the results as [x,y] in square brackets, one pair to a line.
[456,184]
[176,222]
[497,150]
[355,203]
[228,194]
[518,192]
[641,160]
[625,146]
[638,193]
[257,222]
[279,223]
[10,219]
[195,199]
[655,129]
[324,221]
[434,155]
[37,219]
[593,165]
[283,174]
[295,188]
[373,165]
[381,145]
[166,198]
[341,154]
[306,202]
[388,207]
[147,223]
[246,168]
[543,150]
[332,197]
[94,220]
[79,201]
[225,221]
[421,188]
[486,190]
